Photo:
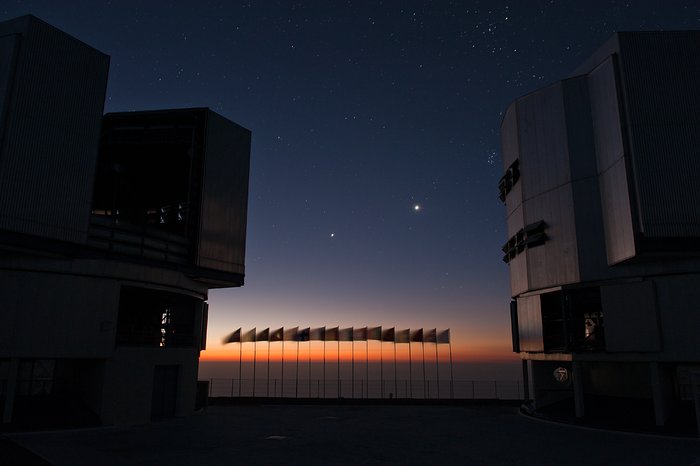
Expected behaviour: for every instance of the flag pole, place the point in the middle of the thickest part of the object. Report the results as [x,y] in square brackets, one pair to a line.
[296,380]
[381,366]
[338,363]
[410,366]
[367,366]
[324,365]
[437,367]
[422,345]
[452,380]
[240,366]
[255,361]
[396,383]
[268,368]
[309,374]
[352,391]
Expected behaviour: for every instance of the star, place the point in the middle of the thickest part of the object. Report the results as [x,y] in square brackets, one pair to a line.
[332,235]
[416,207]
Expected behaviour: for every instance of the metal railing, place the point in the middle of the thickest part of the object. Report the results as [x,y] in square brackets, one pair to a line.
[137,240]
[363,389]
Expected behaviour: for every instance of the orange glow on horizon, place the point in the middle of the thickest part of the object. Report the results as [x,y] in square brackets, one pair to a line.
[483,352]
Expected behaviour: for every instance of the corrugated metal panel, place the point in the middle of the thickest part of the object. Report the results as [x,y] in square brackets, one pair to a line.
[511,153]
[546,187]
[530,324]
[661,77]
[556,261]
[49,149]
[590,237]
[609,147]
[223,217]
[9,45]
[544,164]
[631,322]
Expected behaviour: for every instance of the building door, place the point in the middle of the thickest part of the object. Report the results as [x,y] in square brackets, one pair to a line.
[164,392]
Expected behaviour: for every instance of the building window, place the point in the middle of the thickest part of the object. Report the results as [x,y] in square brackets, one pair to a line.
[587,324]
[529,237]
[505,184]
[154,318]
[36,377]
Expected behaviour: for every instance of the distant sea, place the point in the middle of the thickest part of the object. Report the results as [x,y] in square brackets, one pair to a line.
[470,379]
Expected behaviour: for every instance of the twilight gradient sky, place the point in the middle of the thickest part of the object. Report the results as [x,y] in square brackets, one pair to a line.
[359,111]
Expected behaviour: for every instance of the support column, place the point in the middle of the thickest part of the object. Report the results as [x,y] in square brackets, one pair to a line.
[10,392]
[526,382]
[577,382]
[695,382]
[660,393]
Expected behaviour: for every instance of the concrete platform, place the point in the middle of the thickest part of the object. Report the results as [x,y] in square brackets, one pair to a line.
[356,435]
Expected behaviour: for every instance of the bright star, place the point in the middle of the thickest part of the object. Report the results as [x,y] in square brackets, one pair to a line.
[416,207]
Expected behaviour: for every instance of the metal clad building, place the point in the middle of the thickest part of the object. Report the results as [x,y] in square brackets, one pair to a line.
[52,90]
[112,231]
[603,228]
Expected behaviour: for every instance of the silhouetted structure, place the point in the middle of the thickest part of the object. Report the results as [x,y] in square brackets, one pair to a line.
[112,230]
[603,215]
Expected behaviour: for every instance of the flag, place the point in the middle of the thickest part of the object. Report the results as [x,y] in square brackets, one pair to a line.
[235,337]
[263,335]
[249,336]
[443,336]
[332,334]
[345,334]
[303,334]
[277,335]
[374,333]
[359,334]
[291,334]
[388,334]
[417,335]
[403,336]
[317,333]
[430,336]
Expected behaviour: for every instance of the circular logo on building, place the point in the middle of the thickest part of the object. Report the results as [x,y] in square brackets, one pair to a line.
[561,374]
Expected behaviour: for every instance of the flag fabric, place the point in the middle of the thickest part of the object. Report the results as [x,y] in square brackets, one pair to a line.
[403,336]
[374,333]
[290,334]
[249,336]
[388,334]
[345,334]
[443,336]
[263,335]
[318,333]
[359,334]
[303,334]
[417,335]
[430,336]
[277,335]
[235,337]
[332,334]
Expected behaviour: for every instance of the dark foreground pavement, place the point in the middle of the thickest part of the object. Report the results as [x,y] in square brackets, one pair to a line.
[355,435]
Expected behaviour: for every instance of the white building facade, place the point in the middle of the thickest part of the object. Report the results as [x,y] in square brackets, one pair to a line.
[603,218]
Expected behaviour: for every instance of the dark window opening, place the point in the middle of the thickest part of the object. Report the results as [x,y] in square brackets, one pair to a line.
[573,320]
[587,323]
[36,377]
[144,176]
[529,237]
[512,175]
[554,325]
[155,318]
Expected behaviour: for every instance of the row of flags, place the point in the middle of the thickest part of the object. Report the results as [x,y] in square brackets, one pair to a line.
[340,334]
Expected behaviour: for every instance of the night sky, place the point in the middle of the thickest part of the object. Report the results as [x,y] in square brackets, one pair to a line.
[359,112]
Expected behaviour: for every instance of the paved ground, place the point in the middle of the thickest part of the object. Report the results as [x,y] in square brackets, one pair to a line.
[356,435]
